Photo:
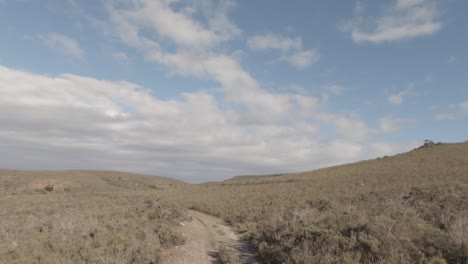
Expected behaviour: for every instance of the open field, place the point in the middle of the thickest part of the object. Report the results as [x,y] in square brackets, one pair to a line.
[408,208]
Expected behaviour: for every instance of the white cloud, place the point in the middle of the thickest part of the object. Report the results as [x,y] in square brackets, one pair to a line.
[290,47]
[121,57]
[87,123]
[298,89]
[274,41]
[194,59]
[391,124]
[177,26]
[302,59]
[452,112]
[64,45]
[397,98]
[444,116]
[350,127]
[428,78]
[463,107]
[96,124]
[405,19]
[335,89]
[238,85]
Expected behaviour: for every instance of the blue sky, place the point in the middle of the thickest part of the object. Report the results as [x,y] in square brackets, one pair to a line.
[204,90]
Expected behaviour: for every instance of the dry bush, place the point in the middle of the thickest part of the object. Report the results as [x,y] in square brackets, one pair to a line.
[97,228]
[228,256]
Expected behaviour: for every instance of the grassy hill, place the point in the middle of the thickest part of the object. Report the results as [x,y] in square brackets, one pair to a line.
[408,208]
[85,217]
[80,181]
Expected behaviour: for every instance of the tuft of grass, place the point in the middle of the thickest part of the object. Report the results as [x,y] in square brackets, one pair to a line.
[153,187]
[229,256]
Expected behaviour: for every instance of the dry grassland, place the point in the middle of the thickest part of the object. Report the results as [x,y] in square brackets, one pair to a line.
[409,208]
[84,217]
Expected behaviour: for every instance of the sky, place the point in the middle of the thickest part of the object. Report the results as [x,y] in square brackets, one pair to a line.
[202,90]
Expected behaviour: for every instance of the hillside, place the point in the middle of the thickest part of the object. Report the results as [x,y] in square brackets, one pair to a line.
[432,163]
[408,208]
[81,181]
[85,217]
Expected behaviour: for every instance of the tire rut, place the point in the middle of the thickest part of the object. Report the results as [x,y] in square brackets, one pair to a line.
[204,234]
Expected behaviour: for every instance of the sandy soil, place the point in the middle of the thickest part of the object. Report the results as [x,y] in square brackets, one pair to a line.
[204,234]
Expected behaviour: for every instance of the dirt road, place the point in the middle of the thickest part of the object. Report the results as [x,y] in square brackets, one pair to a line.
[204,235]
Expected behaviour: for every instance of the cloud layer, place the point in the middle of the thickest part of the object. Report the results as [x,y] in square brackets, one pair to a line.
[290,47]
[405,19]
[63,44]
[452,112]
[70,121]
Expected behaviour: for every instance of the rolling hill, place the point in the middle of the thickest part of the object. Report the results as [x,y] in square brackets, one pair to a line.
[407,208]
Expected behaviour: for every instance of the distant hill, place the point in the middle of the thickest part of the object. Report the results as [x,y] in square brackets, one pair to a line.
[16,181]
[427,165]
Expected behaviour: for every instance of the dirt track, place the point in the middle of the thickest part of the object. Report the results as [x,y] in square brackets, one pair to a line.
[204,234]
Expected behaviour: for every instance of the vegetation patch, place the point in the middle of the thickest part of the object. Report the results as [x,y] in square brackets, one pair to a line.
[98,228]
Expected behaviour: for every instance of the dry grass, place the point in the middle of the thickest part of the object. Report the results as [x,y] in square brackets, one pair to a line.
[409,208]
[92,223]
[228,255]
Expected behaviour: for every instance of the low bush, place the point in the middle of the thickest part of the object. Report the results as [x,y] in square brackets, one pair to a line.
[98,228]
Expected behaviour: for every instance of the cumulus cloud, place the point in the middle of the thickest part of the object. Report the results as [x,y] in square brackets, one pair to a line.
[291,48]
[274,41]
[83,122]
[63,44]
[194,59]
[178,26]
[398,97]
[405,19]
[302,59]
